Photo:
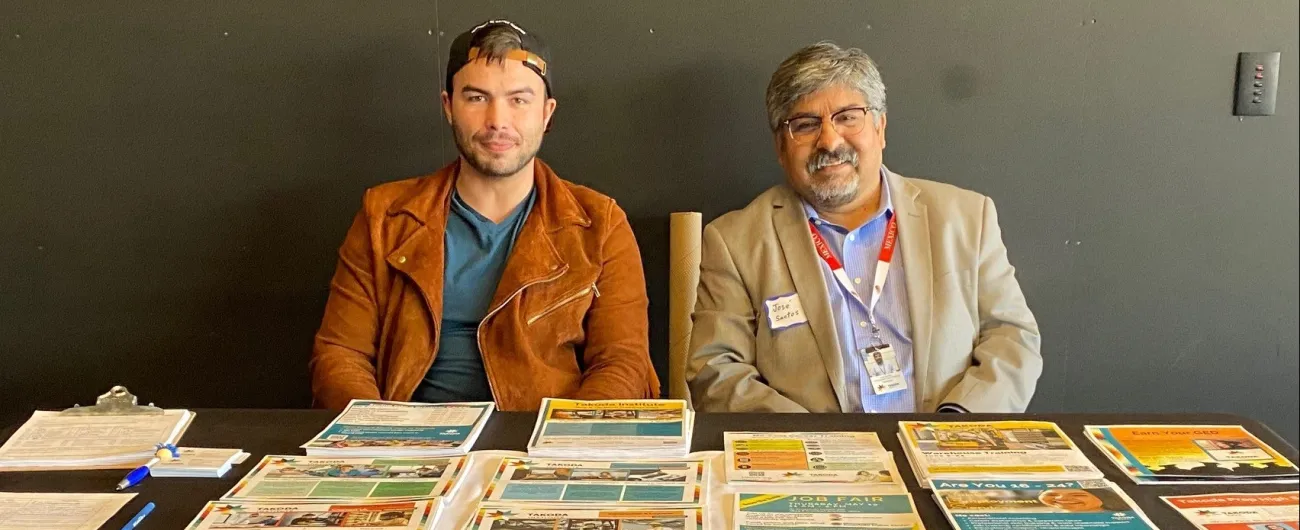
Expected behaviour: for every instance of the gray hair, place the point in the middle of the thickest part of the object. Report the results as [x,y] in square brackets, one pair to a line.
[817,67]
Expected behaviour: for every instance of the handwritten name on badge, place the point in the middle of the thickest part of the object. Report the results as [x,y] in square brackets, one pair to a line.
[784,311]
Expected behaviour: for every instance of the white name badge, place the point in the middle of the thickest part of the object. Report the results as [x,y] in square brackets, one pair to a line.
[784,311]
[881,364]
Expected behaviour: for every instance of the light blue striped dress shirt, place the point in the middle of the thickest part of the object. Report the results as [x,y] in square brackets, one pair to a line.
[858,251]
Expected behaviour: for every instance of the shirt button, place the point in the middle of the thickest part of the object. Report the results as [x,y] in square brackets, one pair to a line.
[862,324]
[850,237]
[401,259]
[857,280]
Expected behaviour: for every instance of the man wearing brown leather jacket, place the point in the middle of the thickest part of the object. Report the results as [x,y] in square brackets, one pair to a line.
[492,279]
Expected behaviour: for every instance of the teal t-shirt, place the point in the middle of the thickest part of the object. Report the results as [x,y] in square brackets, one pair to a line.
[476,250]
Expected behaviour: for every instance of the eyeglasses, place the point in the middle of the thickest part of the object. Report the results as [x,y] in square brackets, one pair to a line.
[847,122]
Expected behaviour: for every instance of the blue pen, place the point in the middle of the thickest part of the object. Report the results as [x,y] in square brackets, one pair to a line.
[135,521]
[138,474]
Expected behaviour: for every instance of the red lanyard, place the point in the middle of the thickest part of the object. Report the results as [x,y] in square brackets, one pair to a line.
[882,263]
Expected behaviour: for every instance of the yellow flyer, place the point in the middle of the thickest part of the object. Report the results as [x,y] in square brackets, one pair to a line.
[612,429]
[1165,453]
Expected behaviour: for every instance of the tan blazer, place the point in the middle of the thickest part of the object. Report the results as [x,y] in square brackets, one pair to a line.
[975,342]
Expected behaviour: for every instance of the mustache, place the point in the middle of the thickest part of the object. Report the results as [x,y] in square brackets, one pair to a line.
[491,136]
[823,158]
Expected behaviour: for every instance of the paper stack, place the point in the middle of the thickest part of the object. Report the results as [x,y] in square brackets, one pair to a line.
[53,440]
[589,482]
[407,515]
[781,511]
[59,511]
[809,457]
[199,462]
[389,428]
[612,430]
[1063,505]
[607,518]
[282,478]
[1255,511]
[1192,454]
[995,450]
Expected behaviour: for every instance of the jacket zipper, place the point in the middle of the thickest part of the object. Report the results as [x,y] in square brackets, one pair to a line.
[478,335]
[584,292]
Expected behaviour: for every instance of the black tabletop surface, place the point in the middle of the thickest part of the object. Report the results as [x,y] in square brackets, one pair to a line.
[262,432]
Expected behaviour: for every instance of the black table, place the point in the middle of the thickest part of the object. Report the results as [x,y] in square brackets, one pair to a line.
[263,432]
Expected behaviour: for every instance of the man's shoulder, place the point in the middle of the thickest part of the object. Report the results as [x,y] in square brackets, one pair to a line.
[757,213]
[594,202]
[942,194]
[389,192]
[414,193]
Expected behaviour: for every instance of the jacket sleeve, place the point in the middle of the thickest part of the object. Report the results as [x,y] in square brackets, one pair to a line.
[1006,359]
[617,353]
[343,356]
[721,372]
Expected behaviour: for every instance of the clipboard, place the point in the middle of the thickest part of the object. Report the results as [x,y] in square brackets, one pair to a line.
[118,401]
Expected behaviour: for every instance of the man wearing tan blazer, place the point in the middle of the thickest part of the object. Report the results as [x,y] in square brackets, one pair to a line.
[849,263]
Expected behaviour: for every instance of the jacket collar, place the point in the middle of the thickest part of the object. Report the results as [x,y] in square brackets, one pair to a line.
[429,200]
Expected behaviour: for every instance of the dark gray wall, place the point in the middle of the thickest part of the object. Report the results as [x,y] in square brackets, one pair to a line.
[176,178]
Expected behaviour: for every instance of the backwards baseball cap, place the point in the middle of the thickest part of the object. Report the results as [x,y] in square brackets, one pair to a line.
[465,49]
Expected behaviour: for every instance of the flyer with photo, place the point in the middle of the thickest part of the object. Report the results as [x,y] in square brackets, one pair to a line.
[388,428]
[1196,454]
[824,510]
[1029,450]
[413,515]
[612,429]
[1035,505]
[1240,511]
[537,480]
[314,479]
[529,518]
[856,457]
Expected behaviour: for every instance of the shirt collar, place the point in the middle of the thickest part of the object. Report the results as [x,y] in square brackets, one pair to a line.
[886,201]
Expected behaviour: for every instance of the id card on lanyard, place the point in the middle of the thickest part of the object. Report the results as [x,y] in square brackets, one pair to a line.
[880,356]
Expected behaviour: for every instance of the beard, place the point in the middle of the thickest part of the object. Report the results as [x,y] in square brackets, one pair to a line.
[492,164]
[830,191]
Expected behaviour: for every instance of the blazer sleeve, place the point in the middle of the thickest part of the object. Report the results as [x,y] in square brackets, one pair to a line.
[1006,359]
[721,371]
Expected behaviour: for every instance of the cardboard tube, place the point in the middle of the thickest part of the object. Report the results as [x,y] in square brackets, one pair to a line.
[685,229]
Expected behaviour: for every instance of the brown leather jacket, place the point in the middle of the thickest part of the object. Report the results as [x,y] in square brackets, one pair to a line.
[569,317]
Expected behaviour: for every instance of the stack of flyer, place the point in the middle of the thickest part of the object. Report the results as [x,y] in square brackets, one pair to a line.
[199,462]
[589,482]
[1192,454]
[587,518]
[613,429]
[995,450]
[389,428]
[294,491]
[312,479]
[1240,511]
[544,494]
[1059,505]
[779,511]
[808,457]
[405,515]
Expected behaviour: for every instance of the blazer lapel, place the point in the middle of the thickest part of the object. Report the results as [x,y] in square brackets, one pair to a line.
[914,240]
[801,258]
